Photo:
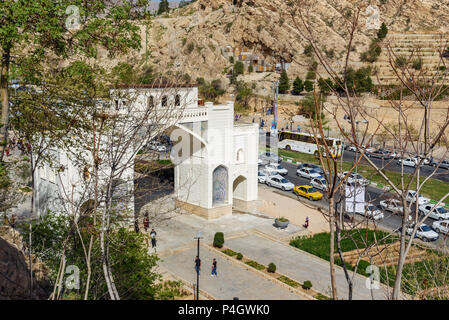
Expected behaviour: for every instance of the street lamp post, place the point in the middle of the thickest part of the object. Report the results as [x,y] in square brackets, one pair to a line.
[198,237]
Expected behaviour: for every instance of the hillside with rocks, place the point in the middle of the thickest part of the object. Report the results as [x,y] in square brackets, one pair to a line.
[191,40]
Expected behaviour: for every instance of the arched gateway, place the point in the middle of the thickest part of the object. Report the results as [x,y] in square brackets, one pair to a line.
[215,160]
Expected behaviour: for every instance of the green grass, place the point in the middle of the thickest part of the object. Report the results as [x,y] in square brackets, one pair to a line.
[255,265]
[433,188]
[288,281]
[320,296]
[318,244]
[229,252]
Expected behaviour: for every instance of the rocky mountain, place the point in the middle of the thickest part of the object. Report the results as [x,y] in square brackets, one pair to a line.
[194,39]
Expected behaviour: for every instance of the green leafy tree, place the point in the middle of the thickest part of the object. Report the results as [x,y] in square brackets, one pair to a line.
[244,94]
[325,86]
[34,33]
[284,82]
[239,68]
[163,7]
[298,86]
[383,31]
[308,85]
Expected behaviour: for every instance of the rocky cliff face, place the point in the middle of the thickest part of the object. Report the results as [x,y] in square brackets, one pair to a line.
[15,272]
[191,39]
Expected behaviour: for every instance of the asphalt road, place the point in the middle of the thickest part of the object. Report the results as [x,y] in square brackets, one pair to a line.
[441,174]
[373,195]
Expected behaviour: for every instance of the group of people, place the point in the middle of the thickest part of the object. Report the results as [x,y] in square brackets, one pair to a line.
[198,266]
[146,226]
[21,144]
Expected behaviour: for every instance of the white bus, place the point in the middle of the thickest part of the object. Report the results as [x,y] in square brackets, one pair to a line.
[306,143]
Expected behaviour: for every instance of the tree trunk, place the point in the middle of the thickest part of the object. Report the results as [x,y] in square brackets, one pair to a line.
[402,254]
[332,247]
[5,102]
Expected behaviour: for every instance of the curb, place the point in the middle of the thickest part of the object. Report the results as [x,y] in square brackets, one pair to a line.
[263,275]
[189,285]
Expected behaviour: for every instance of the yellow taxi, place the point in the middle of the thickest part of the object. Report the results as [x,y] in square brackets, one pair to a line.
[308,192]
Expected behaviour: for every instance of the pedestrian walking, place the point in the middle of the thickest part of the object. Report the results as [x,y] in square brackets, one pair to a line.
[214,268]
[153,238]
[7,151]
[197,265]
[12,222]
[146,223]
[5,220]
[136,225]
[306,225]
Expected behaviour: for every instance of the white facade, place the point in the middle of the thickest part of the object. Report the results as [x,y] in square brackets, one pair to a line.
[215,160]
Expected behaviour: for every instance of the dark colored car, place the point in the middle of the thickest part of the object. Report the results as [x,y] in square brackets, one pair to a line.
[381,154]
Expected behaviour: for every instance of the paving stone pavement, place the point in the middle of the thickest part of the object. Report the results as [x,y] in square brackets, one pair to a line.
[300,266]
[233,280]
[179,231]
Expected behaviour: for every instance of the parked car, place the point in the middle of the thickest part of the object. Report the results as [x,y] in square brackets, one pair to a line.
[311,166]
[372,212]
[307,173]
[438,213]
[394,155]
[280,182]
[352,148]
[441,226]
[161,148]
[381,154]
[417,159]
[268,157]
[259,162]
[261,176]
[319,183]
[444,164]
[354,177]
[409,162]
[424,232]
[391,205]
[308,192]
[276,167]
[411,197]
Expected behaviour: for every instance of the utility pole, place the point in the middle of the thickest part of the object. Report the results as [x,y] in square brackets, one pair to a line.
[198,237]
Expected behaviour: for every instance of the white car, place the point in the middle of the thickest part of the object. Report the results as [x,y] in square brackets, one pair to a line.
[259,162]
[417,159]
[307,173]
[319,183]
[438,213]
[352,148]
[280,182]
[392,205]
[409,162]
[423,232]
[372,212]
[161,148]
[411,197]
[354,177]
[262,177]
[276,167]
[441,226]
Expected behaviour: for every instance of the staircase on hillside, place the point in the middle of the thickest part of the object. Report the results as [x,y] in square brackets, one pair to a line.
[427,46]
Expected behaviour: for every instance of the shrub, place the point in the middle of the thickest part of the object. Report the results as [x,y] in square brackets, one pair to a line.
[239,68]
[255,265]
[287,280]
[190,47]
[271,268]
[417,64]
[239,256]
[373,52]
[307,285]
[250,69]
[219,239]
[229,252]
[308,85]
[231,59]
[282,219]
[311,75]
[308,50]
[401,61]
